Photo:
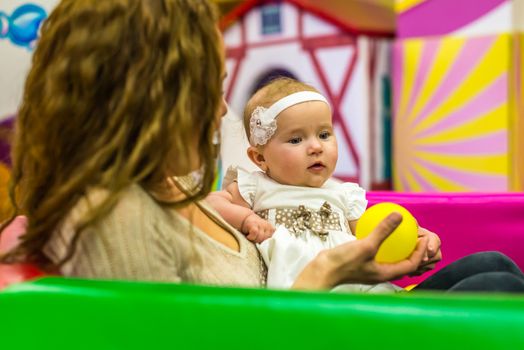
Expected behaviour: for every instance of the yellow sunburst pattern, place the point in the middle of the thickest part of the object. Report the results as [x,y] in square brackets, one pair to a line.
[453,114]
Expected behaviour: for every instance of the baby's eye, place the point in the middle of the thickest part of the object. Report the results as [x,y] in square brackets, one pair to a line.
[324,135]
[295,140]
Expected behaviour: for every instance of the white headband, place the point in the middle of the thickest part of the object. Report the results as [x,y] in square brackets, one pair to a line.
[263,125]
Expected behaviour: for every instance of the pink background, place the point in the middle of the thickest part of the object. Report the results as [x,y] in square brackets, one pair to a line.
[466,222]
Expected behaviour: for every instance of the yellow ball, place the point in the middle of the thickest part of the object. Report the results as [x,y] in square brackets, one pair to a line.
[401,243]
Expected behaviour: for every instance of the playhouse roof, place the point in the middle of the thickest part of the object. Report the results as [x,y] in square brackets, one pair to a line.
[370,17]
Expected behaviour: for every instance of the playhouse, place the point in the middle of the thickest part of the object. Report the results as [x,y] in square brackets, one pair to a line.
[454,76]
[340,47]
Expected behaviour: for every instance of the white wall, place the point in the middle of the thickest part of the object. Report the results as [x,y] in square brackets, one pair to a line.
[15,60]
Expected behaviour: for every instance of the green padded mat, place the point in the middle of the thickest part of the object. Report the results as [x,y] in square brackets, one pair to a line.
[58,313]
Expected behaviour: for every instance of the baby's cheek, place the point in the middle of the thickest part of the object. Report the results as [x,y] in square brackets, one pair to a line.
[333,154]
[289,166]
[285,170]
[289,161]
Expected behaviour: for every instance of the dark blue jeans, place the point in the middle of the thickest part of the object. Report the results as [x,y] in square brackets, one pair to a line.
[479,272]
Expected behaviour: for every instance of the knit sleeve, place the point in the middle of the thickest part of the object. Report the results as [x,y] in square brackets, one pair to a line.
[126,244]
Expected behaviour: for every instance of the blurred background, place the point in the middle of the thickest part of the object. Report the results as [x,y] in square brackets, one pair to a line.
[426,94]
[226,5]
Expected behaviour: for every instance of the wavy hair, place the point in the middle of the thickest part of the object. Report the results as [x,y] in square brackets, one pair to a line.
[118,92]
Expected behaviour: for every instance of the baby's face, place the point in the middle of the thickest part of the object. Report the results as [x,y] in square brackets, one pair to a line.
[303,151]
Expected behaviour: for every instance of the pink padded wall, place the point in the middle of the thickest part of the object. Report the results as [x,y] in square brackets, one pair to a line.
[466,222]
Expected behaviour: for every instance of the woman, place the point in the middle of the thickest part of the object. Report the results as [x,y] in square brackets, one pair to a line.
[113,154]
[121,104]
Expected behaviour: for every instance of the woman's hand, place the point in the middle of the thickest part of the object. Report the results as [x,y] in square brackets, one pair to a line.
[354,262]
[432,255]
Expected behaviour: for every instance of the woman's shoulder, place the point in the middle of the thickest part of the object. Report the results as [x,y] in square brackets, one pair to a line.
[138,210]
[133,199]
[129,240]
[132,209]
[131,205]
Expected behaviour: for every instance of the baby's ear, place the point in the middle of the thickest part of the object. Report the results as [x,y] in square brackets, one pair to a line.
[256,156]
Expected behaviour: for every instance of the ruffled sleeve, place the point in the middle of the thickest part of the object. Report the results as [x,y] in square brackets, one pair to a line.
[247,183]
[355,200]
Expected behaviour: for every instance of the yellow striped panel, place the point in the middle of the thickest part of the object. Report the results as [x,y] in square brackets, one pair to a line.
[413,48]
[494,164]
[446,56]
[495,120]
[438,181]
[494,64]
[413,185]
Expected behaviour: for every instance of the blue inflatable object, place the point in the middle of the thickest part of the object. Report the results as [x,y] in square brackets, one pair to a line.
[22,27]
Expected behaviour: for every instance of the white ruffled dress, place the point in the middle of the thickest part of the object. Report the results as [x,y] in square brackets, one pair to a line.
[307,220]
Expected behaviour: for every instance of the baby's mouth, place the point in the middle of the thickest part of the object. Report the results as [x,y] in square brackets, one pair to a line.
[317,166]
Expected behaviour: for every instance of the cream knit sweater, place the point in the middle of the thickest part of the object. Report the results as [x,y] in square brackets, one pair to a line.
[141,240]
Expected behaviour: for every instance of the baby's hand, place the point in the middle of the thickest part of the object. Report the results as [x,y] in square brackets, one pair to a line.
[257,229]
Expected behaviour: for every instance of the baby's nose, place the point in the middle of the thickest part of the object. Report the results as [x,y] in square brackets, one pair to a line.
[315,146]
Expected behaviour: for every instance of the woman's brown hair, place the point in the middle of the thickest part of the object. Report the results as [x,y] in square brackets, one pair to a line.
[118,93]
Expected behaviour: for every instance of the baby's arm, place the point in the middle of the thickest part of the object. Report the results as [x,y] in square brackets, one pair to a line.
[236,211]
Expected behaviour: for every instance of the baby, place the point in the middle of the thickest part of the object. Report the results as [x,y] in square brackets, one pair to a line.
[290,130]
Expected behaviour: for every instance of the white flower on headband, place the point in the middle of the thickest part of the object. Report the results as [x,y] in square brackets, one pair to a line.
[262,126]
